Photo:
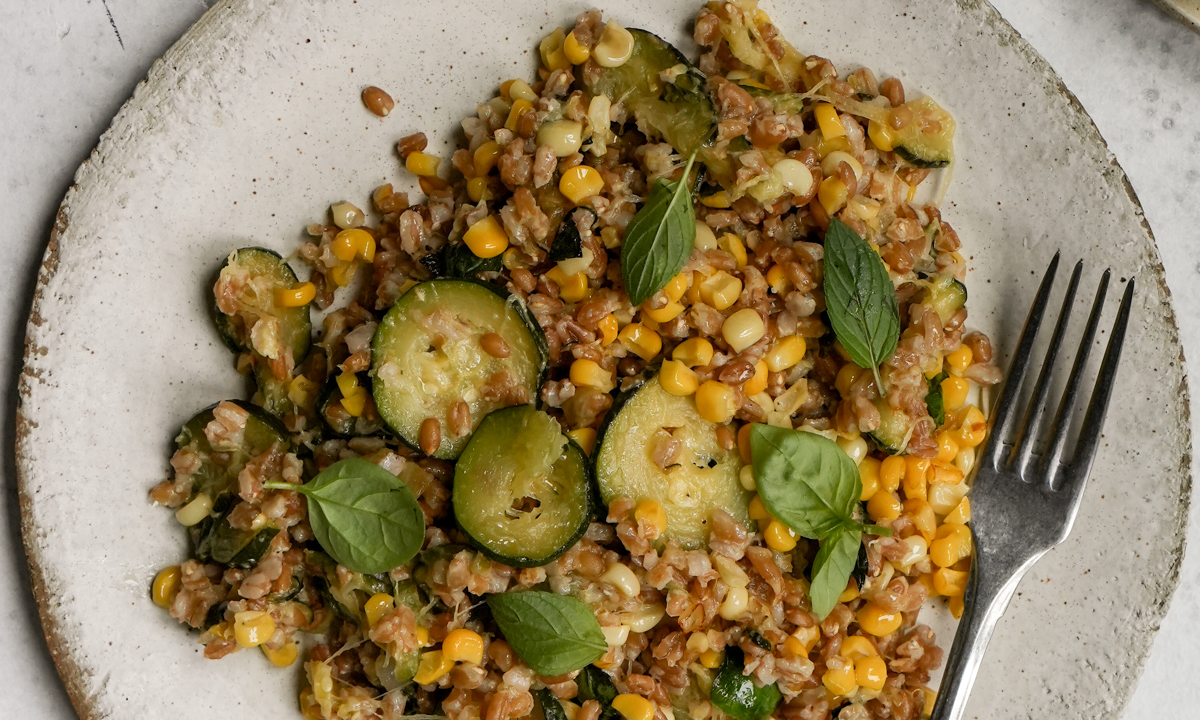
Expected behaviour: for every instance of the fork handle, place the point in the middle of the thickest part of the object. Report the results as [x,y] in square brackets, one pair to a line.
[987,596]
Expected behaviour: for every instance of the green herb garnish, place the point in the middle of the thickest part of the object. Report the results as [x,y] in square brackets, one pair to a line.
[860,298]
[660,237]
[811,485]
[362,515]
[553,634]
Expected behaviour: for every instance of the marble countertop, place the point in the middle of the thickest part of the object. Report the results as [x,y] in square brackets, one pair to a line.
[72,63]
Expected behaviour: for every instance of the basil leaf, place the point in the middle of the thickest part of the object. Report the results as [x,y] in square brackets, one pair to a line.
[832,567]
[553,634]
[860,299]
[805,480]
[933,399]
[660,237]
[362,515]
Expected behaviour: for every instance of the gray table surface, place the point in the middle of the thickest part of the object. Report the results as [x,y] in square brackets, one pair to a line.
[70,64]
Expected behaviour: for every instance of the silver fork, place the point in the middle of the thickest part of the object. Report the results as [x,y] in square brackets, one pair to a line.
[1026,494]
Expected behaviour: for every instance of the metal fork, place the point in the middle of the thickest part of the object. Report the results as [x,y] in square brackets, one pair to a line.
[1026,494]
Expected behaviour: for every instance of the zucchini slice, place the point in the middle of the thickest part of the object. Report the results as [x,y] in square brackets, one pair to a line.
[737,694]
[705,478]
[522,489]
[223,543]
[894,429]
[928,140]
[426,356]
[252,275]
[946,295]
[219,470]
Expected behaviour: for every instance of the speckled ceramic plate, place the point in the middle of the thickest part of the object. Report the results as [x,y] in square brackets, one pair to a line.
[1186,11]
[251,125]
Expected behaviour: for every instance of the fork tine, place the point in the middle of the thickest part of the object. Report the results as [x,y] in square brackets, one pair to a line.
[1061,425]
[1027,439]
[1093,420]
[1003,419]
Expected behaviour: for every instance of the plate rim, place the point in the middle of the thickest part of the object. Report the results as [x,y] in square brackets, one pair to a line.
[68,667]
[1190,17]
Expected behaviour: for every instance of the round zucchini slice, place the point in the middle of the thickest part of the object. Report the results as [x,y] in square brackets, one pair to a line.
[427,355]
[219,467]
[522,489]
[247,283]
[704,478]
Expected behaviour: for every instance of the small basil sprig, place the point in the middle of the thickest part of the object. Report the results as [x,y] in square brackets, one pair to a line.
[860,298]
[362,515]
[553,634]
[809,484]
[660,237]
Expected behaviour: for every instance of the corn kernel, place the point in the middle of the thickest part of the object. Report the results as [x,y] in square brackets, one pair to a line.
[640,340]
[651,516]
[355,402]
[855,448]
[828,121]
[961,514]
[868,473]
[944,473]
[676,287]
[786,353]
[477,189]
[519,108]
[746,478]
[915,471]
[733,245]
[486,238]
[347,383]
[551,51]
[871,673]
[677,378]
[716,402]
[960,359]
[950,582]
[615,46]
[808,637]
[857,646]
[735,604]
[883,506]
[832,194]
[891,472]
[485,157]
[573,288]
[645,618]
[956,606]
[576,52]
[778,280]
[951,544]
[944,498]
[563,137]
[794,175]
[697,642]
[633,707]
[758,382]
[840,681]
[693,352]
[758,509]
[252,628]
[930,701]
[199,508]
[588,373]
[830,163]
[878,621]
[433,666]
[463,645]
[846,377]
[422,636]
[779,537]
[666,313]
[343,274]
[718,200]
[721,290]
[965,460]
[947,448]
[377,606]
[580,183]
[585,438]
[166,586]
[954,393]
[743,328]
[922,516]
[623,579]
[422,164]
[832,145]
[347,243]
[705,238]
[283,656]
[506,88]
[972,428]
[608,329]
[298,296]
[518,89]
[711,659]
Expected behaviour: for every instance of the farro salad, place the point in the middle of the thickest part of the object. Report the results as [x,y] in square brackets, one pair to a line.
[655,406]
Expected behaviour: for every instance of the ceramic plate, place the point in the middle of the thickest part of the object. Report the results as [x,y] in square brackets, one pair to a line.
[1186,11]
[251,125]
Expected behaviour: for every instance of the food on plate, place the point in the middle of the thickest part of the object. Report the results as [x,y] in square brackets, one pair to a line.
[658,403]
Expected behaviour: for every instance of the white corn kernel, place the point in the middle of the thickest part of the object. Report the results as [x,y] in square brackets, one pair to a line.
[735,604]
[615,46]
[706,239]
[564,137]
[743,328]
[644,619]
[346,215]
[944,497]
[855,447]
[622,578]
[731,573]
[917,548]
[195,511]
[795,176]
[965,460]
[746,476]
[830,164]
[615,635]
[574,266]
[520,90]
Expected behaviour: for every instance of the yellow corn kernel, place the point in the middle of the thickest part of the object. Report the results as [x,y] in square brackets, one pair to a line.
[252,628]
[422,636]
[960,359]
[377,606]
[166,586]
[718,200]
[956,606]
[477,189]
[850,593]
[716,402]
[463,645]
[961,514]
[758,509]
[757,383]
[573,288]
[786,353]
[588,373]
[615,46]
[633,707]
[868,473]
[915,471]
[965,460]
[779,537]
[808,637]
[347,382]
[519,108]
[847,376]
[733,245]
[580,183]
[666,313]
[944,473]
[506,88]
[576,52]
[930,701]
[878,621]
[743,328]
[347,244]
[676,287]
[947,448]
[711,659]
[485,157]
[298,296]
[950,582]
[954,393]
[433,665]
[871,673]
[793,646]
[972,428]
[721,290]
[608,329]
[832,145]
[283,656]
[677,378]
[355,402]
[651,516]
[857,646]
[778,280]
[944,498]
[551,51]
[518,89]
[486,238]
[693,352]
[922,516]
[746,478]
[881,135]
[585,438]
[199,508]
[828,121]
[422,164]
[951,544]
[735,604]
[832,194]
[343,274]
[891,472]
[640,340]
[883,506]
[840,681]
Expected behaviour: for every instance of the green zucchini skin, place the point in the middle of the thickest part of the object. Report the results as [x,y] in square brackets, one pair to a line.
[402,408]
[548,706]
[262,430]
[946,295]
[894,428]
[487,487]
[737,695]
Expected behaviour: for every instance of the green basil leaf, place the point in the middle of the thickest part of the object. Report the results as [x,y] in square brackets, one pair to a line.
[660,237]
[805,480]
[832,567]
[933,399]
[860,299]
[553,634]
[363,516]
